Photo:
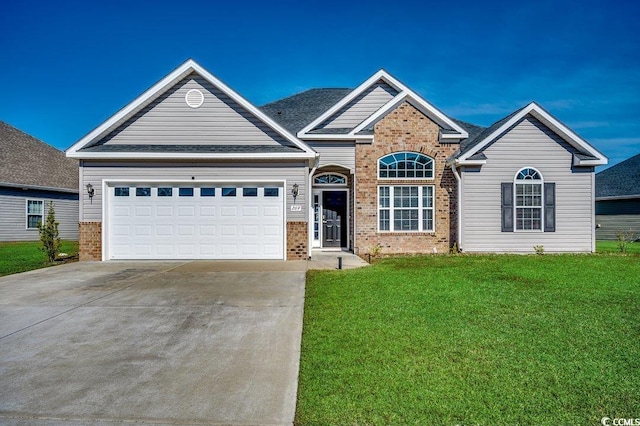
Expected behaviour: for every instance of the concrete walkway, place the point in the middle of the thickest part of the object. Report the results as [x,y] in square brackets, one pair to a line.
[162,343]
[329,260]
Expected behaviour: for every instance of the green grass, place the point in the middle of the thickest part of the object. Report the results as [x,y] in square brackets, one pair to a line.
[24,256]
[472,340]
[612,247]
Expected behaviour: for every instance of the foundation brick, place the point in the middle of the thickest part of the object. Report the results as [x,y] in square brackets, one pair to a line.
[297,240]
[90,241]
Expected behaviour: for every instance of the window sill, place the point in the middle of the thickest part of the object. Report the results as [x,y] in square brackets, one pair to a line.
[407,232]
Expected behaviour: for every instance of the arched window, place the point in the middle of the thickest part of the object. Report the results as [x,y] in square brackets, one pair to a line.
[405,165]
[528,200]
[330,179]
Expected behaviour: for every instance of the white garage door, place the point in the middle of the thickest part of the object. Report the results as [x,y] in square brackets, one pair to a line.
[209,221]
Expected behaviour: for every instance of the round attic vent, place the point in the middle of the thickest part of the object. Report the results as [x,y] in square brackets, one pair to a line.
[194,98]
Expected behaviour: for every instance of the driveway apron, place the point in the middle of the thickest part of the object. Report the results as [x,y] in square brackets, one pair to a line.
[151,343]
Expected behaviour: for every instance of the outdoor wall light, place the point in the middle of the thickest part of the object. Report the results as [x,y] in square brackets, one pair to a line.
[294,191]
[90,191]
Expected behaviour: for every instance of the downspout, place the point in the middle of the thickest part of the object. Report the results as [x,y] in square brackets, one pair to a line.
[454,169]
[316,163]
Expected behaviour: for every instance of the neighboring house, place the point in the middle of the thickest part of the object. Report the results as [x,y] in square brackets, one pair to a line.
[618,200]
[32,174]
[190,169]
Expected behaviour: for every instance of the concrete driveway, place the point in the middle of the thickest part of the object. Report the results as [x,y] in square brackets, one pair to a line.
[152,343]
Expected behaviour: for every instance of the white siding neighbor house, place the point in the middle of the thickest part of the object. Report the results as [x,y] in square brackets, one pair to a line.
[192,170]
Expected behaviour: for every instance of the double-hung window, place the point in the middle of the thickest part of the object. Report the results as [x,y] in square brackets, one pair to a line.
[528,199]
[35,213]
[405,208]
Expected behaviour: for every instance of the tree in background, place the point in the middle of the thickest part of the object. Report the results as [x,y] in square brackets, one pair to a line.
[49,235]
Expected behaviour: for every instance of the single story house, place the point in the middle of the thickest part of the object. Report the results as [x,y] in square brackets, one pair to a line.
[190,169]
[32,175]
[618,200]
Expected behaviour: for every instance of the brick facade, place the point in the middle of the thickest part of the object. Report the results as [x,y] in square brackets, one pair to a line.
[404,129]
[90,241]
[297,240]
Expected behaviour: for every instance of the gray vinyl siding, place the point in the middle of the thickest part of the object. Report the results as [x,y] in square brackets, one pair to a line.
[169,120]
[617,215]
[610,225]
[95,172]
[359,109]
[13,215]
[342,153]
[528,144]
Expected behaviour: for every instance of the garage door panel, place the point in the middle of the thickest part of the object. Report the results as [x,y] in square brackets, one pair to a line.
[188,211]
[250,249]
[122,211]
[272,211]
[196,227]
[228,249]
[142,230]
[229,230]
[164,230]
[142,249]
[121,230]
[250,230]
[208,249]
[164,249]
[143,211]
[272,231]
[186,231]
[250,212]
[164,211]
[229,211]
[208,230]
[207,211]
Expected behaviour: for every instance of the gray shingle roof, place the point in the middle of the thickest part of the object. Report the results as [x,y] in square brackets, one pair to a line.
[621,180]
[221,149]
[28,161]
[297,111]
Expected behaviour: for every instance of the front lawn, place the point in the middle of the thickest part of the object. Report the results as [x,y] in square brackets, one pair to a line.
[473,340]
[24,256]
[613,247]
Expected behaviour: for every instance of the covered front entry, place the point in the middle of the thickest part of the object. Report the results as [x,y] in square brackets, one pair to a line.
[331,211]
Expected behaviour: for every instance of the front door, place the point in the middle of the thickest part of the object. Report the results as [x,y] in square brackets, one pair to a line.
[334,214]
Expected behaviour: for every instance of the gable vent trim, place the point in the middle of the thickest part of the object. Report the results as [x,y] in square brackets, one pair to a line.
[194,98]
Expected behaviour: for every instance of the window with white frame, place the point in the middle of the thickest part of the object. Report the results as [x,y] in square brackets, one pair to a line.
[405,165]
[528,200]
[35,213]
[403,208]
[330,179]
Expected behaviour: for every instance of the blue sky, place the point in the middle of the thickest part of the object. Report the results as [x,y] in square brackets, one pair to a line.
[67,66]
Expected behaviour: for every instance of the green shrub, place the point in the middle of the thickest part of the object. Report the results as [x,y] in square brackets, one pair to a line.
[49,235]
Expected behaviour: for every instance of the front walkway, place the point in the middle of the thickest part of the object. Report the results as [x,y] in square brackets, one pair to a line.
[330,260]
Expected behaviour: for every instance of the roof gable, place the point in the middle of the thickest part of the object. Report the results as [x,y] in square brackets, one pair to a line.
[360,108]
[368,103]
[159,120]
[587,156]
[297,111]
[620,181]
[29,162]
